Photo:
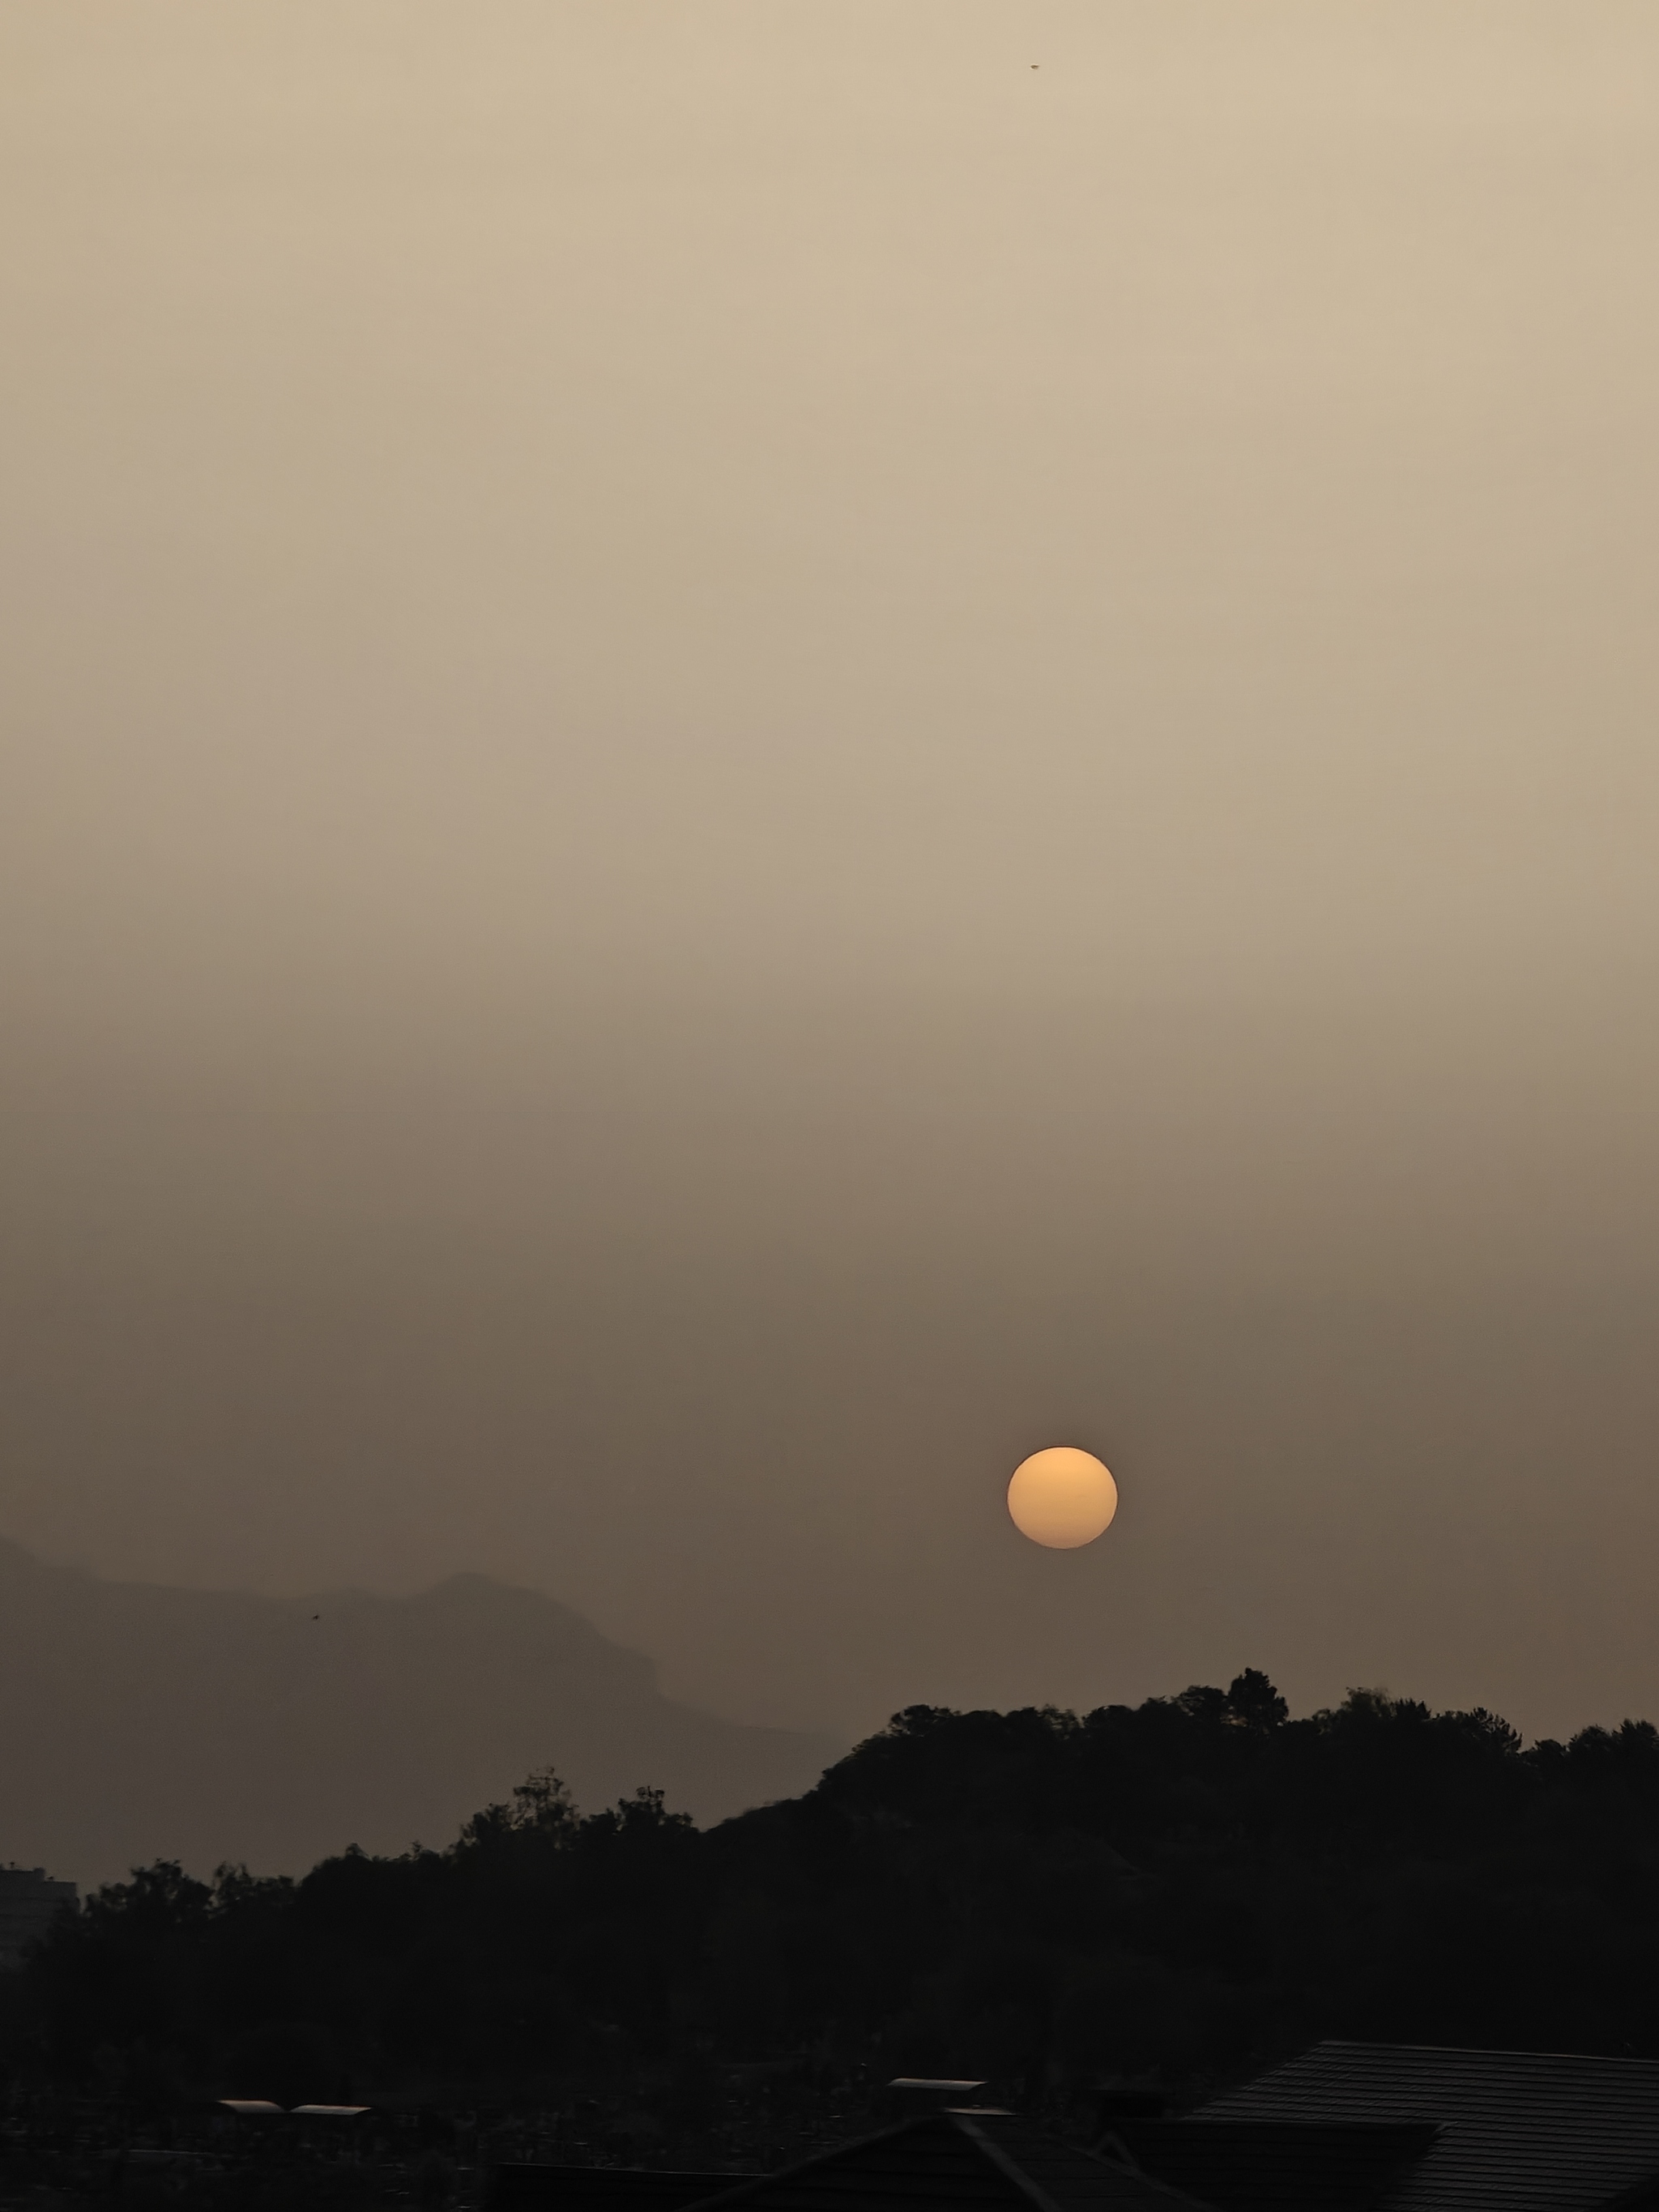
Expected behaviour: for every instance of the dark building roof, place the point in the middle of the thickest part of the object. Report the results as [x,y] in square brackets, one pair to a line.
[1276,2166]
[959,2159]
[602,2188]
[1517,2131]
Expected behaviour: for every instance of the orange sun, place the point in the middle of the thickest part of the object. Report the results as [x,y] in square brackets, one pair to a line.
[1062,1497]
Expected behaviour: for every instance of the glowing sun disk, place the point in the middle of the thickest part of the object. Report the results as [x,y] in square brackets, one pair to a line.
[1062,1497]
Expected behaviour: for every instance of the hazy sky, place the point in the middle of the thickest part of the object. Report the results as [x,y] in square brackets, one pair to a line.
[751,757]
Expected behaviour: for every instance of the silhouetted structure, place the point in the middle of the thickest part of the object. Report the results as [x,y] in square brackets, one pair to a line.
[29,1902]
[955,2159]
[1347,2127]
[1273,2165]
[1496,2129]
[959,2159]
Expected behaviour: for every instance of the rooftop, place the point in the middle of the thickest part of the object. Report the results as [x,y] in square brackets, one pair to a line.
[957,2158]
[1514,2130]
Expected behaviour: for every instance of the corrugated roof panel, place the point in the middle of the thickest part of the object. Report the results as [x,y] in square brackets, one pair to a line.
[1520,2131]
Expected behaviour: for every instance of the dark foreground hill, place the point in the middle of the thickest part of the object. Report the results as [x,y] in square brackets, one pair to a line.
[139,1723]
[1167,1896]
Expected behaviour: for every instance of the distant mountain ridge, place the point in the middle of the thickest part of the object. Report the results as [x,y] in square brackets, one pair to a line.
[139,1721]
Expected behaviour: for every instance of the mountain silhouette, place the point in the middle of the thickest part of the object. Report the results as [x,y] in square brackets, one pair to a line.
[139,1721]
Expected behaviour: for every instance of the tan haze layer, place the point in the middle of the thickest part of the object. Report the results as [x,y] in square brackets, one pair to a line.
[756,753]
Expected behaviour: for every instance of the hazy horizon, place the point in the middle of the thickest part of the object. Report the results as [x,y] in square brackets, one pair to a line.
[755,757]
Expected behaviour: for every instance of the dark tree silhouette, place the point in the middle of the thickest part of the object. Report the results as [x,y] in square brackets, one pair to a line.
[1177,1892]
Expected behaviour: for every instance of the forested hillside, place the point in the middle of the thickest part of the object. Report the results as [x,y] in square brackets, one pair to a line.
[1172,1895]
